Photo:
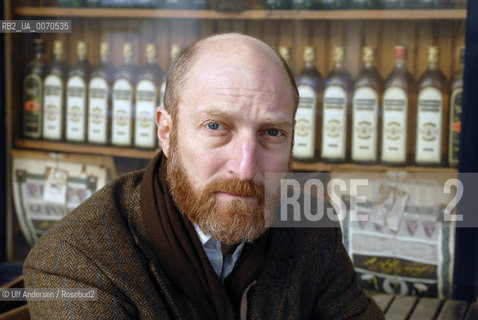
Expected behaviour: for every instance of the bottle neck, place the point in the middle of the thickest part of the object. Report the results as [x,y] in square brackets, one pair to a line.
[38,55]
[58,57]
[309,64]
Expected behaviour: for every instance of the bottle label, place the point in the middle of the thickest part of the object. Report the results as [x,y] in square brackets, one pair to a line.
[98,111]
[304,136]
[455,126]
[429,126]
[364,128]
[75,109]
[32,118]
[121,131]
[146,103]
[394,128]
[53,107]
[334,123]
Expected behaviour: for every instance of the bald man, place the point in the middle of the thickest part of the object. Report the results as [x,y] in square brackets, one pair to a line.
[189,236]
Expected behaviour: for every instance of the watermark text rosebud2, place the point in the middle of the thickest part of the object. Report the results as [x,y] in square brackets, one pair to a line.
[323,199]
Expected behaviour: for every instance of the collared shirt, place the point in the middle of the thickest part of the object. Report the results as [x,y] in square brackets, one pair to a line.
[222,265]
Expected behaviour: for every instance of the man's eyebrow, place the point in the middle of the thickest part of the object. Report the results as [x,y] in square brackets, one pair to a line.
[278,123]
[224,114]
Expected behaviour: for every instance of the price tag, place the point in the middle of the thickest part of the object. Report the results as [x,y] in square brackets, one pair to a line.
[55,186]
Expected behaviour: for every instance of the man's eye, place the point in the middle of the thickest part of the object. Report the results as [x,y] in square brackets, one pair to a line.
[213,125]
[273,132]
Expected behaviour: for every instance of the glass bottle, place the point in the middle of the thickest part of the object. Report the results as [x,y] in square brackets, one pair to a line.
[92,3]
[336,110]
[147,97]
[176,4]
[431,113]
[306,4]
[199,4]
[76,96]
[122,99]
[366,110]
[99,98]
[426,4]
[175,50]
[455,112]
[395,4]
[335,4]
[54,95]
[309,83]
[365,4]
[277,4]
[398,111]
[33,93]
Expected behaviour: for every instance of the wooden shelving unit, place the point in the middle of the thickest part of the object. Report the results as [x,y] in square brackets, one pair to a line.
[438,14]
[353,27]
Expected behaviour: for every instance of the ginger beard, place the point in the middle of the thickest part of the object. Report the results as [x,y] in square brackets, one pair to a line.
[229,222]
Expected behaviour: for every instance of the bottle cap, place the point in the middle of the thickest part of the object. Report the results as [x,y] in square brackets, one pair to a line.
[174,51]
[127,50]
[339,54]
[401,52]
[368,54]
[433,54]
[150,51]
[58,47]
[285,53]
[309,54]
[82,48]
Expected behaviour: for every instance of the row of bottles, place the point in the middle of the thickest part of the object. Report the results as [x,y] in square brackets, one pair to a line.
[100,105]
[273,4]
[368,120]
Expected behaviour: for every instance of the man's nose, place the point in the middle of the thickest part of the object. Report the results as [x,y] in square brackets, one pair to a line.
[244,162]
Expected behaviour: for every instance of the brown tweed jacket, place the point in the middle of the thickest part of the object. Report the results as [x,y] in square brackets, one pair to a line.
[102,244]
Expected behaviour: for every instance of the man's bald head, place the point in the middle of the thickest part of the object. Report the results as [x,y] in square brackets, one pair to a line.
[231,46]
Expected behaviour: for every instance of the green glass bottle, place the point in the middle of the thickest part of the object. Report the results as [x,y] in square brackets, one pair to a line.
[455,112]
[32,93]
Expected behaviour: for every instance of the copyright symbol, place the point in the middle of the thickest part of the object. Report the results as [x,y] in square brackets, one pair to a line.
[5,294]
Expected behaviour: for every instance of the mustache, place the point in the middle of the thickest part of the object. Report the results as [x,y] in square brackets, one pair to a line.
[236,187]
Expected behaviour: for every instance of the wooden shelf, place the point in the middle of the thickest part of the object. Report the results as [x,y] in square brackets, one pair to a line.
[148,154]
[352,167]
[85,149]
[244,15]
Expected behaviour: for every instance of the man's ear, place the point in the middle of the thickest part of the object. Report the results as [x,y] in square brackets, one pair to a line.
[164,123]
